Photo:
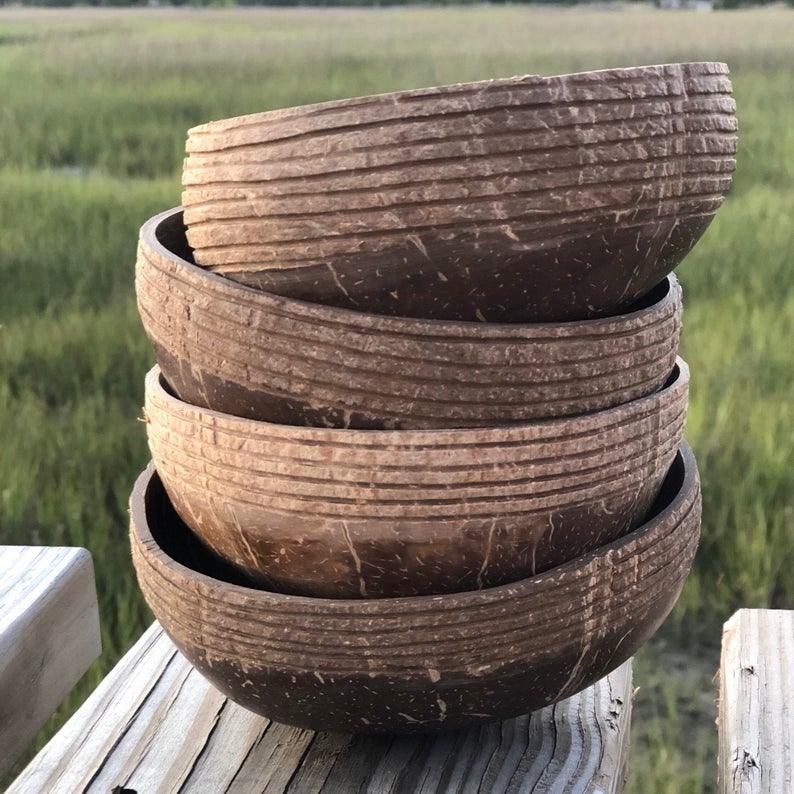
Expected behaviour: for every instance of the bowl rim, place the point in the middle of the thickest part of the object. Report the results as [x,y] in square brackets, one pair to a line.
[429,92]
[155,387]
[669,293]
[150,549]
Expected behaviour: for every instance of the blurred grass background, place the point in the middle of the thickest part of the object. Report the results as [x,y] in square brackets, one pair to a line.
[92,123]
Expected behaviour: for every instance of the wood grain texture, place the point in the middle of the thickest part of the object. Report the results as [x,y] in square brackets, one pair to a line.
[49,636]
[155,725]
[417,664]
[248,353]
[351,514]
[756,716]
[529,199]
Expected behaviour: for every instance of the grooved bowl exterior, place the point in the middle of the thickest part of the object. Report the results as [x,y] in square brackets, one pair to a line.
[416,664]
[522,200]
[367,514]
[248,353]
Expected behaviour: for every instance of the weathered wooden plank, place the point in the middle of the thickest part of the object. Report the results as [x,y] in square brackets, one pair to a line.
[237,731]
[756,716]
[75,755]
[49,636]
[155,725]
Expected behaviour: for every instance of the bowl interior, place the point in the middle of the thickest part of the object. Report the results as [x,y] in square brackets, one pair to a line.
[171,233]
[177,541]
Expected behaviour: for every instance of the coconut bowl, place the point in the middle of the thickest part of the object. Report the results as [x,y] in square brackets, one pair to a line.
[407,665]
[519,200]
[383,513]
[241,351]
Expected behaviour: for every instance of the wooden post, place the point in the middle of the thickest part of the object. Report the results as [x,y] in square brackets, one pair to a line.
[756,716]
[49,636]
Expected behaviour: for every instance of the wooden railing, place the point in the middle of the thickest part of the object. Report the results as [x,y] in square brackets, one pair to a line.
[155,725]
[49,636]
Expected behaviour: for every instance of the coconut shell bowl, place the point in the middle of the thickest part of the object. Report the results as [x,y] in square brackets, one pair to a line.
[528,199]
[384,513]
[228,347]
[405,665]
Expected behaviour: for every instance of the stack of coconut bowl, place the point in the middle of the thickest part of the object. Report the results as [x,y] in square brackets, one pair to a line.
[416,423]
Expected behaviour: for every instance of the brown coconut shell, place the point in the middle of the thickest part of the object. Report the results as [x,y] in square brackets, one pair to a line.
[241,351]
[519,200]
[416,664]
[379,513]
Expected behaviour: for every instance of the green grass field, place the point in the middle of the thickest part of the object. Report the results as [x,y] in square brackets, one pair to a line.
[95,105]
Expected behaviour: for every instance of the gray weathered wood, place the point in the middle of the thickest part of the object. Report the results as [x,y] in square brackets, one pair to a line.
[756,720]
[49,636]
[155,725]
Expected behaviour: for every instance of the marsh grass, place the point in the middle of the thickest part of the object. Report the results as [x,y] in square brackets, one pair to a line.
[92,124]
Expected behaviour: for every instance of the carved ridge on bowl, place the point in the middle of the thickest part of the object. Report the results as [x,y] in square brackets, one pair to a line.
[347,368]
